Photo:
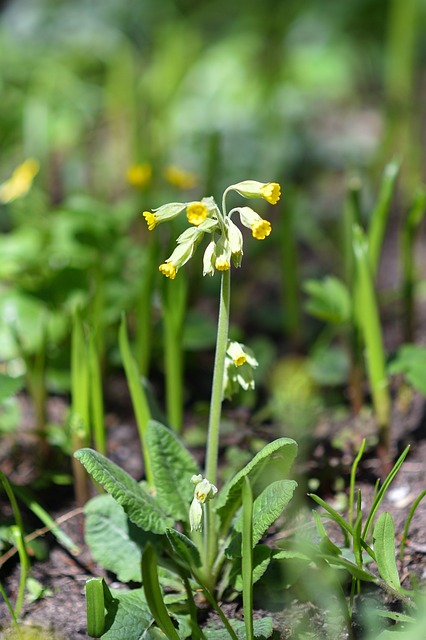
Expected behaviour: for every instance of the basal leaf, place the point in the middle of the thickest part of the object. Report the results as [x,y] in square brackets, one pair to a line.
[266,509]
[262,630]
[141,508]
[114,542]
[128,616]
[329,300]
[172,469]
[279,453]
[384,547]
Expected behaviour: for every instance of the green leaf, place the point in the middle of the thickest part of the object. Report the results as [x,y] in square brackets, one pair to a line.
[172,469]
[279,453]
[384,546]
[266,509]
[141,508]
[184,548]
[411,361]
[154,595]
[128,616]
[354,570]
[114,542]
[329,300]
[98,598]
[10,386]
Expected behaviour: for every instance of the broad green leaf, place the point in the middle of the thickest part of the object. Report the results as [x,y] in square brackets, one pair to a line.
[261,561]
[184,548]
[114,542]
[266,509]
[128,616]
[329,300]
[384,546]
[172,469]
[141,508]
[278,454]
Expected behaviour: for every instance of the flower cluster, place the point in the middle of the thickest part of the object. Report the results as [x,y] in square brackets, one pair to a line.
[226,244]
[204,491]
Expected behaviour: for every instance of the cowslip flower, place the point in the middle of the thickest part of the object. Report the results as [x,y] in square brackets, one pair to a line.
[166,212]
[20,181]
[236,352]
[209,259]
[235,238]
[180,256]
[239,367]
[223,254]
[204,491]
[260,228]
[269,191]
[196,213]
[139,175]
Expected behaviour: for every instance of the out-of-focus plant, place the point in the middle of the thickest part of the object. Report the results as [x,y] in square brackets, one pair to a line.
[227,554]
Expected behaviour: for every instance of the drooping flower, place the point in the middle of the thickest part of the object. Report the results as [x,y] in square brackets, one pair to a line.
[196,213]
[166,212]
[180,256]
[20,181]
[209,259]
[204,491]
[269,191]
[235,242]
[236,352]
[260,228]
[239,369]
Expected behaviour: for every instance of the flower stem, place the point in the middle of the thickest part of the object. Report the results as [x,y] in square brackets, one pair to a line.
[215,411]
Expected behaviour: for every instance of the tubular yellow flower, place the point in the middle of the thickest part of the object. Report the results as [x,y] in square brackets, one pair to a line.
[168,270]
[139,175]
[271,192]
[196,212]
[261,229]
[236,352]
[151,219]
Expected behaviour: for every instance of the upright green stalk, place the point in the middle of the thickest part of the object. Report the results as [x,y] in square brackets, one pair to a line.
[216,409]
[367,315]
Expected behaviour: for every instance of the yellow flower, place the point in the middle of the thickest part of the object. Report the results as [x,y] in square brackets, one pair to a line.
[150,218]
[166,212]
[236,352]
[168,270]
[271,191]
[20,182]
[261,229]
[139,175]
[180,178]
[222,263]
[196,212]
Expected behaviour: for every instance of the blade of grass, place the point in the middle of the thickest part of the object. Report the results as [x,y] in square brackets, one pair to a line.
[247,557]
[380,214]
[153,593]
[352,481]
[137,393]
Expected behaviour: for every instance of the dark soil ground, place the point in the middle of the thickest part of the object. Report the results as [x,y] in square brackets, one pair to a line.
[61,612]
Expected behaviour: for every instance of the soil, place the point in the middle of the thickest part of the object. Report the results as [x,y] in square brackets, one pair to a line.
[61,611]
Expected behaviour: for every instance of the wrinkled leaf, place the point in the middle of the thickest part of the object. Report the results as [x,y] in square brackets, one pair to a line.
[266,509]
[262,630]
[141,508]
[172,469]
[114,542]
[261,561]
[279,453]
